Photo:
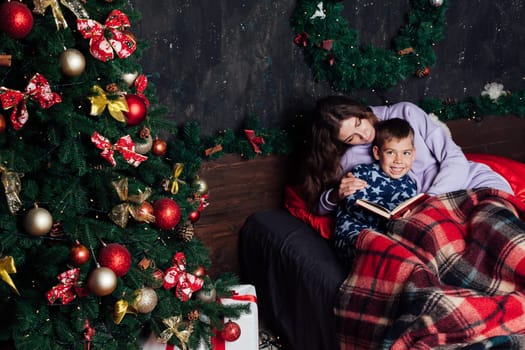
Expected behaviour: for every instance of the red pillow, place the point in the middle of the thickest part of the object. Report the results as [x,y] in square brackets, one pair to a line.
[323,224]
[512,170]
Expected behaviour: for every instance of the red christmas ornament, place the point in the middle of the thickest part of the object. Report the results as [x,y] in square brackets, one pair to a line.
[145,212]
[2,123]
[115,257]
[159,147]
[200,271]
[157,278]
[423,72]
[167,213]
[16,19]
[231,331]
[137,110]
[79,254]
[194,216]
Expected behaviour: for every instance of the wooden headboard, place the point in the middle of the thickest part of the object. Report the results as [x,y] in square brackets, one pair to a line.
[238,187]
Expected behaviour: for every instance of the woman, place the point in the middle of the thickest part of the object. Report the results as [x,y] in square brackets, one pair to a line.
[342,135]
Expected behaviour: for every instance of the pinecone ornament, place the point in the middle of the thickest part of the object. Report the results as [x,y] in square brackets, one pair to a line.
[187,231]
[193,315]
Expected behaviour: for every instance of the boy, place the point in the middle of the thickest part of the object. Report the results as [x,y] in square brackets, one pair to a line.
[387,184]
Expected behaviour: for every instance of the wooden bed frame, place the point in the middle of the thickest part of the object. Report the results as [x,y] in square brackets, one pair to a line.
[239,187]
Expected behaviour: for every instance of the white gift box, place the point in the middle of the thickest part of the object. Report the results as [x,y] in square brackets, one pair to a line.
[249,323]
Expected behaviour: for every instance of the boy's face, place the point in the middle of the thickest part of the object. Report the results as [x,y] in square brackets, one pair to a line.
[395,157]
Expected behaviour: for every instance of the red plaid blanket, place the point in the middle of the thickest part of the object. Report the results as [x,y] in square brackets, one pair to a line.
[451,276]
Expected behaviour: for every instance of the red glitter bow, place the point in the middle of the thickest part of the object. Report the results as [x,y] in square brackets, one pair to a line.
[124,146]
[67,290]
[141,83]
[38,89]
[101,48]
[185,283]
[254,140]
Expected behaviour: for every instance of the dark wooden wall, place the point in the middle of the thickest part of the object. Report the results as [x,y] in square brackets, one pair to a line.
[238,188]
[218,62]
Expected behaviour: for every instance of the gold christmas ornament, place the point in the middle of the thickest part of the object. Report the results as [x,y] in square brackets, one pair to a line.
[72,62]
[102,281]
[207,295]
[38,222]
[146,300]
[200,185]
[129,78]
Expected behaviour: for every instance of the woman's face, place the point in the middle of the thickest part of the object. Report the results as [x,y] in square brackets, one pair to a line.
[356,131]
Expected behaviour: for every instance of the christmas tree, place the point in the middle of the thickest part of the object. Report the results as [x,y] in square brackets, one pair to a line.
[100,191]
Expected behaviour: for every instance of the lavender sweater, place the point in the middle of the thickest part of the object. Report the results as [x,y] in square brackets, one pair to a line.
[440,164]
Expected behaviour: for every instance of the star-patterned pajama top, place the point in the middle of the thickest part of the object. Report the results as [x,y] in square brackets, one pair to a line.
[351,219]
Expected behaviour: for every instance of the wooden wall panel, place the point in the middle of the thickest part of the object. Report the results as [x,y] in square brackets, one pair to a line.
[504,136]
[239,187]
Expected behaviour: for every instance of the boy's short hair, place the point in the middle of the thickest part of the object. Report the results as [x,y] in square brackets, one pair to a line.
[395,128]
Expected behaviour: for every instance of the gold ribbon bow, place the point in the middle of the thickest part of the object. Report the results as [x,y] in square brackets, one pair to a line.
[177,170]
[12,188]
[174,324]
[74,5]
[120,310]
[7,266]
[115,107]
[120,213]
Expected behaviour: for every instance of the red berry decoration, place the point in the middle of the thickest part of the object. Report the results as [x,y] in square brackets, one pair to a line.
[137,110]
[115,257]
[231,331]
[16,19]
[167,213]
[79,254]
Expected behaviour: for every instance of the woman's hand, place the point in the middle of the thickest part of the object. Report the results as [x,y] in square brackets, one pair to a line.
[348,185]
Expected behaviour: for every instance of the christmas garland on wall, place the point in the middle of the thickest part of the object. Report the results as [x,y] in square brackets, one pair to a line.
[334,53]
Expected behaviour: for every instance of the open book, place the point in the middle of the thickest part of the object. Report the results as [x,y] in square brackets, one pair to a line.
[398,211]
